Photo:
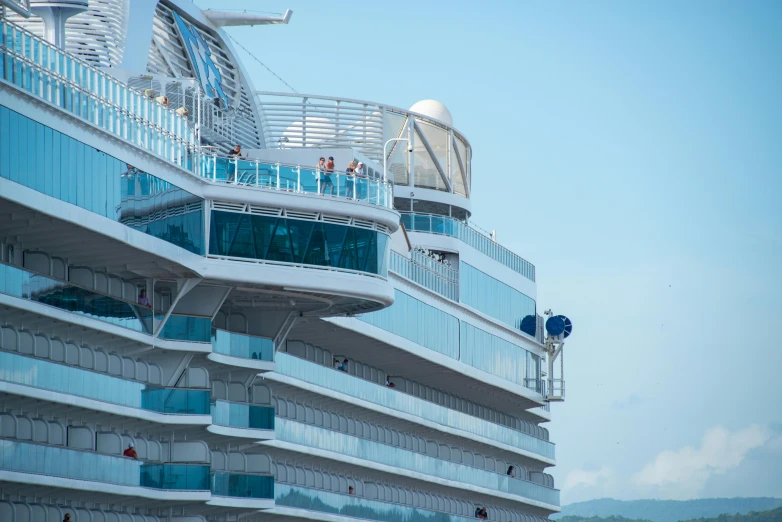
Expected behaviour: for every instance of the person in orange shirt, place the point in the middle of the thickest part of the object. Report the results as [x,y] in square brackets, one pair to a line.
[131,452]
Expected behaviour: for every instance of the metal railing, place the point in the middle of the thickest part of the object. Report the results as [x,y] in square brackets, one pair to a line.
[292,120]
[448,226]
[441,280]
[57,77]
[295,178]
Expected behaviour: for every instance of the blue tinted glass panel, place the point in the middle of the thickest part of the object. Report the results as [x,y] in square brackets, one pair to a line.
[65,296]
[175,476]
[57,165]
[499,357]
[418,322]
[356,507]
[187,328]
[244,486]
[297,241]
[240,345]
[494,298]
[181,401]
[243,415]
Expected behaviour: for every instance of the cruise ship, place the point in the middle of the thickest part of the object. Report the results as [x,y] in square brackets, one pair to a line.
[191,332]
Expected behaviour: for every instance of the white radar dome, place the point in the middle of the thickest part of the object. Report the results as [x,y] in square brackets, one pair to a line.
[433,109]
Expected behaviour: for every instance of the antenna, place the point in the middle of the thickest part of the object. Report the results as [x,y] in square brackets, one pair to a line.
[558,328]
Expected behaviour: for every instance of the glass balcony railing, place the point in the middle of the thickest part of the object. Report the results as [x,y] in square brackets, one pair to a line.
[66,296]
[243,415]
[51,74]
[447,226]
[241,345]
[240,485]
[55,461]
[443,281]
[295,178]
[356,507]
[191,477]
[187,328]
[47,375]
[347,445]
[352,386]
[182,401]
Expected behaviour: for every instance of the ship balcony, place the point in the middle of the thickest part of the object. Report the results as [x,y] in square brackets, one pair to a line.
[326,381]
[242,490]
[468,234]
[242,420]
[324,443]
[49,466]
[35,378]
[292,500]
[295,179]
[242,351]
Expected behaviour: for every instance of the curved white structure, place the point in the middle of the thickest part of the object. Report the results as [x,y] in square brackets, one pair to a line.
[187,336]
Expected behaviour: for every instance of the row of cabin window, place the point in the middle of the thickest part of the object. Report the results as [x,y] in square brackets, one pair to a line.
[371,431]
[21,427]
[56,433]
[57,350]
[422,391]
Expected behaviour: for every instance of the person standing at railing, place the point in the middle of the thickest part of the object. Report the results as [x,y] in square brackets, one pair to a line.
[235,155]
[349,179]
[360,184]
[324,175]
[325,181]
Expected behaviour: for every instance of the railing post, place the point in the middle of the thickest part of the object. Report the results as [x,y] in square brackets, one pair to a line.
[278,176]
[214,167]
[298,179]
[256,173]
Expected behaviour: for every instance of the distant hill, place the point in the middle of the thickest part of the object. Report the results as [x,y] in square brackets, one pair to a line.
[772,515]
[668,510]
[597,519]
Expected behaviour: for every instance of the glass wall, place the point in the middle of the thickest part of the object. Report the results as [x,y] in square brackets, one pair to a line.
[298,241]
[418,322]
[494,298]
[193,477]
[342,444]
[65,296]
[241,485]
[56,461]
[243,415]
[396,400]
[356,507]
[59,166]
[187,328]
[181,401]
[497,356]
[241,345]
[452,227]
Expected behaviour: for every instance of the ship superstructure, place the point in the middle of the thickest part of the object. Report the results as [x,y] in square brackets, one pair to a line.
[191,335]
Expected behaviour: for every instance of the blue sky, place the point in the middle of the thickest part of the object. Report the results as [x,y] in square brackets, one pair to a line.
[632,151]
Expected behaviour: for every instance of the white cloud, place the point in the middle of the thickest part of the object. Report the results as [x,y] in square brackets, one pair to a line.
[582,478]
[683,473]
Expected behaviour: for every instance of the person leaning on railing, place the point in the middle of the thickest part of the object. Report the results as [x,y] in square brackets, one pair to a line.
[349,179]
[235,155]
[325,181]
